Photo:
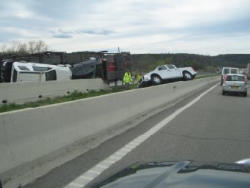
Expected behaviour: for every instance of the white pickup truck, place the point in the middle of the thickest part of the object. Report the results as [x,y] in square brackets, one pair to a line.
[168,72]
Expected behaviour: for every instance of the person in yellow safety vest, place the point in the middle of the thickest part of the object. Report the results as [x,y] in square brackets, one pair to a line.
[127,79]
[138,78]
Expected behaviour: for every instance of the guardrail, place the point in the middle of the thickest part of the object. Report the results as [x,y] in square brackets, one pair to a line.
[29,134]
[20,93]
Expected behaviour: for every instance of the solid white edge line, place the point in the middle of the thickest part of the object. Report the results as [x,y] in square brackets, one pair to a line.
[140,139]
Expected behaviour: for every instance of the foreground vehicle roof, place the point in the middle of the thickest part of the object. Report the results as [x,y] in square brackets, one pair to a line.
[180,174]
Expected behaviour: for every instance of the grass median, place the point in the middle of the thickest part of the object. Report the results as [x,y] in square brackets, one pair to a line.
[71,97]
[206,75]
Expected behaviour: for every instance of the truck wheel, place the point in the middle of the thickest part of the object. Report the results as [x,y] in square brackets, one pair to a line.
[245,94]
[187,76]
[156,80]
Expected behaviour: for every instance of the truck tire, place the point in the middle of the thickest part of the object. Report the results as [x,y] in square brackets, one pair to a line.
[187,76]
[156,80]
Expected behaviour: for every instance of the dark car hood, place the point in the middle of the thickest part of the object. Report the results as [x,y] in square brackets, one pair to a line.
[180,174]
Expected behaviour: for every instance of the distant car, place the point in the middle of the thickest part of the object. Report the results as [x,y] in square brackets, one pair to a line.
[235,83]
[180,174]
[167,72]
[228,70]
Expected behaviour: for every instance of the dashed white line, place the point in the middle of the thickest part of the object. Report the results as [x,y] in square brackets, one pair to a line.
[119,154]
[94,171]
[85,177]
[74,185]
[115,157]
[81,181]
[107,162]
[129,148]
[102,166]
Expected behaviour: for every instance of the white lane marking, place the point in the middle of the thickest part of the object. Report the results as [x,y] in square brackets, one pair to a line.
[102,166]
[85,177]
[74,185]
[81,181]
[107,162]
[125,149]
[92,171]
[115,157]
[119,154]
[129,147]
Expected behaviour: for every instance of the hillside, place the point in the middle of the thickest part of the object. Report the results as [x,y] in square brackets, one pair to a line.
[146,62]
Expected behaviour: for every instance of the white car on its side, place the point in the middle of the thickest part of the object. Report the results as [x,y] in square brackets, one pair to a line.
[167,72]
[34,72]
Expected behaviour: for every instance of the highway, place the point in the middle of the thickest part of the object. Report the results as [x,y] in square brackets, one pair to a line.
[214,128]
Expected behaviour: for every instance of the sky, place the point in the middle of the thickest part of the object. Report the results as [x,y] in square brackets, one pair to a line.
[207,27]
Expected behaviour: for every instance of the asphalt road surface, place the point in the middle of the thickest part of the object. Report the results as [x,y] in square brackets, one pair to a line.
[216,128]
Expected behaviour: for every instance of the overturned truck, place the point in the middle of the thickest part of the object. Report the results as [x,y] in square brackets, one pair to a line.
[109,67]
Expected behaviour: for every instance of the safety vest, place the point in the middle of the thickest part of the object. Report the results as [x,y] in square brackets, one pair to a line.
[138,78]
[127,78]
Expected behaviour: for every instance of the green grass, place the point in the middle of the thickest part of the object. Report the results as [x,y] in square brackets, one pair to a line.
[206,75]
[73,96]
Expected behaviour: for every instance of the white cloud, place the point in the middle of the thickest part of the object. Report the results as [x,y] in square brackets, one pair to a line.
[136,25]
[23,33]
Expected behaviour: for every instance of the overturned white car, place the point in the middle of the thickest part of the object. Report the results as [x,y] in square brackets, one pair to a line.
[167,72]
[12,71]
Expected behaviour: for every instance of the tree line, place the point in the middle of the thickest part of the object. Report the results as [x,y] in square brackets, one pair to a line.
[23,48]
[147,62]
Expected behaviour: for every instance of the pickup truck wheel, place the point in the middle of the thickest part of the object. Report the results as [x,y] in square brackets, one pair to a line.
[156,79]
[187,76]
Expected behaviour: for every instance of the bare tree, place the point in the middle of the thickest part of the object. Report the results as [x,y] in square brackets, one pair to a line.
[3,48]
[21,48]
[40,46]
[31,47]
[13,47]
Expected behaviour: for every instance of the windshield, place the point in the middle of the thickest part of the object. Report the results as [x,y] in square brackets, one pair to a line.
[24,68]
[89,87]
[162,67]
[170,66]
[235,78]
[226,71]
[42,69]
[234,71]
